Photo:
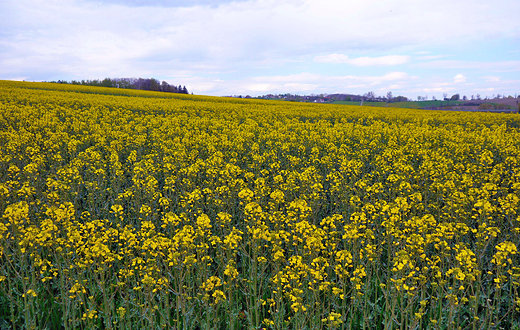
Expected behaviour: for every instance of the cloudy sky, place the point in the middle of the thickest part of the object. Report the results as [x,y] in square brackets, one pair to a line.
[410,47]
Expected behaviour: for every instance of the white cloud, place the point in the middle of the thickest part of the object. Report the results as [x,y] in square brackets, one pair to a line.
[260,87]
[437,89]
[332,58]
[459,78]
[363,61]
[250,29]
[311,77]
[506,66]
[432,57]
[199,42]
[305,83]
[168,3]
[491,78]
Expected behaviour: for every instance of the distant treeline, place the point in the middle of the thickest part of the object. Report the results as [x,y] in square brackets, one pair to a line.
[329,98]
[147,84]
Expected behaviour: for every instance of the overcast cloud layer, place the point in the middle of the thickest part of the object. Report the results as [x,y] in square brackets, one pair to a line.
[410,47]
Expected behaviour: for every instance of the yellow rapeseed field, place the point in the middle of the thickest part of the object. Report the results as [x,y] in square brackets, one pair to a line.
[123,209]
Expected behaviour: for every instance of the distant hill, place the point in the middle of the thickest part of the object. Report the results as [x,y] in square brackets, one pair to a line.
[513,102]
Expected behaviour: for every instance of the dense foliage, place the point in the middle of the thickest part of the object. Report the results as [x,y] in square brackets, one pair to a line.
[147,84]
[139,210]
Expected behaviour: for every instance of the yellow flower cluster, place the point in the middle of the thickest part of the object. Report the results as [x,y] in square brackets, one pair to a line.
[124,209]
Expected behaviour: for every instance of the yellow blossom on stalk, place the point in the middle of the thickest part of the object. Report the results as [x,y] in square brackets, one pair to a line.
[232,240]
[148,280]
[278,196]
[91,314]
[359,273]
[230,270]
[170,219]
[223,218]
[121,311]
[299,208]
[211,283]
[117,210]
[145,210]
[16,214]
[29,293]
[336,291]
[253,209]
[204,222]
[75,289]
[279,255]
[246,194]
[334,320]
[164,202]
[218,296]
[504,249]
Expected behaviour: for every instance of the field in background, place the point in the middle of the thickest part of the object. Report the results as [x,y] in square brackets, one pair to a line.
[501,103]
[410,104]
[125,209]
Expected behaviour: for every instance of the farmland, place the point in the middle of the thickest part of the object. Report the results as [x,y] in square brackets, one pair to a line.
[125,209]
[408,104]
